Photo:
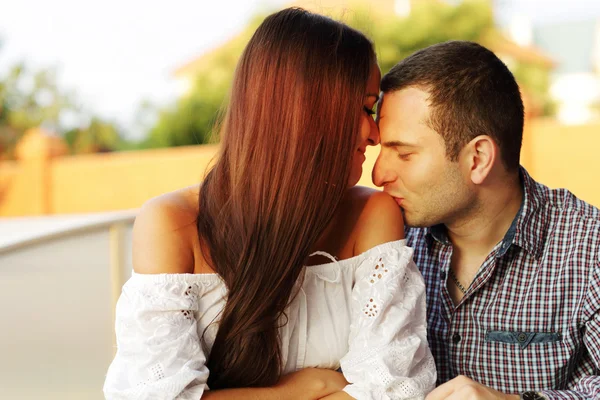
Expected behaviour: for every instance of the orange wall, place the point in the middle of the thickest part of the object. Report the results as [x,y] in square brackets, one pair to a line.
[115,181]
[565,157]
[13,192]
[558,156]
[23,187]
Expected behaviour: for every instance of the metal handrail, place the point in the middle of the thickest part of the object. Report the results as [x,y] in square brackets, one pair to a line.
[76,227]
[116,225]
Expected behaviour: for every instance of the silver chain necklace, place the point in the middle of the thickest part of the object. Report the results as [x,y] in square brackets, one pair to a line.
[458,284]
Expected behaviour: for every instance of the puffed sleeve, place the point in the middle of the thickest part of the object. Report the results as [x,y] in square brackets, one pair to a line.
[388,355]
[159,355]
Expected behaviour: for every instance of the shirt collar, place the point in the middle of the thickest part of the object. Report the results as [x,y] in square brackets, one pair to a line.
[530,223]
[438,232]
[526,228]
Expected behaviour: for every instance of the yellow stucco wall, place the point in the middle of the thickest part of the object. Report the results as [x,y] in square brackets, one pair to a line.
[116,181]
[565,157]
[558,156]
[13,190]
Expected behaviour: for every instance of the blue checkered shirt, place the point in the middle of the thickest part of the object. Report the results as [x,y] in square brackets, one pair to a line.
[530,320]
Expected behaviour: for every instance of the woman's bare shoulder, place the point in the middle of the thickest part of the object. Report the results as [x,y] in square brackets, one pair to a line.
[379,221]
[164,233]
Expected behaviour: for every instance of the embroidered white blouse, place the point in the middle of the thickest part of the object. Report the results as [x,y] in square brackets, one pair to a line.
[365,314]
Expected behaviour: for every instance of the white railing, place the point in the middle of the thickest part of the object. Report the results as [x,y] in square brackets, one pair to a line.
[60,277]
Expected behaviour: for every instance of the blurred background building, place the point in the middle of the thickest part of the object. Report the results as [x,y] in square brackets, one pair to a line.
[105,106]
[575,83]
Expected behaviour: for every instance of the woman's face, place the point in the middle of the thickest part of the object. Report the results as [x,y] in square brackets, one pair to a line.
[368,134]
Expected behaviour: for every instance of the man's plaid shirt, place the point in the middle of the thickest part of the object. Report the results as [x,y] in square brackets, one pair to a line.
[530,320]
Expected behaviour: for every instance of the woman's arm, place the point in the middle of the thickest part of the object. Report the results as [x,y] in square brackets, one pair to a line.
[388,354]
[308,383]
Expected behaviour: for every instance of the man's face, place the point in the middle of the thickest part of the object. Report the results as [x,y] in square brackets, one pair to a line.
[413,166]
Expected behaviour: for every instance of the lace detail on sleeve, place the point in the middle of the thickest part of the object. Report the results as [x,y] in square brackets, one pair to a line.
[388,356]
[158,349]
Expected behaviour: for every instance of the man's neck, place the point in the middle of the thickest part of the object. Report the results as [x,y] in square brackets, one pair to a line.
[481,230]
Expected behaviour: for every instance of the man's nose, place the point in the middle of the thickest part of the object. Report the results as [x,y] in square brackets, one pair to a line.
[380,176]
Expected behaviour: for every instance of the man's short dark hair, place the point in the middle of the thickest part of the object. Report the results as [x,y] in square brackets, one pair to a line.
[471,93]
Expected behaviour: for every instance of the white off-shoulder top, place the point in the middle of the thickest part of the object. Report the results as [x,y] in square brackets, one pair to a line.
[365,314]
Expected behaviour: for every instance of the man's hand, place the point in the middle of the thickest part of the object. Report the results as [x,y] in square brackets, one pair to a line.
[463,388]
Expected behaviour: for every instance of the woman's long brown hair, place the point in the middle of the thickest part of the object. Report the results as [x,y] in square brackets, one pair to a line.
[287,143]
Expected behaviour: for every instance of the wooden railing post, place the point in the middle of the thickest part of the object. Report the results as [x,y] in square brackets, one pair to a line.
[35,152]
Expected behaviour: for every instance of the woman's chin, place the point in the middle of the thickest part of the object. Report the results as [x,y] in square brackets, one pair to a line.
[354,178]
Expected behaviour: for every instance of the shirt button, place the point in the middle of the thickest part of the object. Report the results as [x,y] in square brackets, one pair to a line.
[456,338]
[521,337]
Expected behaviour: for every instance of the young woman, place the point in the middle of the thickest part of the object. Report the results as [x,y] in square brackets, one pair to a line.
[276,271]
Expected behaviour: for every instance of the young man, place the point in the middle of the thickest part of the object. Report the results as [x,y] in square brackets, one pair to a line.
[512,268]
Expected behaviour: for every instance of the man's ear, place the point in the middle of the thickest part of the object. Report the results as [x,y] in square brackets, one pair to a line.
[479,155]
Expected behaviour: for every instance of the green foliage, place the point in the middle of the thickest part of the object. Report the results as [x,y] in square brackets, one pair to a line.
[536,80]
[192,119]
[28,99]
[429,23]
[98,136]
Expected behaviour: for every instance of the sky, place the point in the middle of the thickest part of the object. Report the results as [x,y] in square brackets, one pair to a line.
[548,11]
[117,53]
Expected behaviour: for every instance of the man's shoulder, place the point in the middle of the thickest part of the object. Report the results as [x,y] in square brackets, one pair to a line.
[564,200]
[564,220]
[572,211]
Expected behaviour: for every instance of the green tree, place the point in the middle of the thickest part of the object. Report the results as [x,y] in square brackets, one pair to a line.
[429,22]
[98,136]
[190,121]
[29,99]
